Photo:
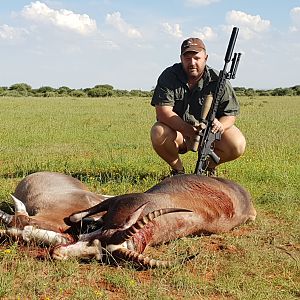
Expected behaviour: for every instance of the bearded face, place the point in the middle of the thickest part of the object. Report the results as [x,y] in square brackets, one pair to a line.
[194,63]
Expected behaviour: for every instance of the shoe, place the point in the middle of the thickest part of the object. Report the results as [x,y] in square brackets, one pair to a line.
[173,173]
[211,172]
[177,172]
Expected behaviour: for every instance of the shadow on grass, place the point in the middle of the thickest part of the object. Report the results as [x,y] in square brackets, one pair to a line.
[117,175]
[6,207]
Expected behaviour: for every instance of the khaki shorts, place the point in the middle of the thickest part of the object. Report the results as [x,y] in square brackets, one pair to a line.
[186,146]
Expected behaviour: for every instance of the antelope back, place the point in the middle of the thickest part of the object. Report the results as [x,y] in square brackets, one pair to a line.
[49,191]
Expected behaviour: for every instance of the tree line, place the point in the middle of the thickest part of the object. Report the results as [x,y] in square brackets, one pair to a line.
[291,91]
[106,90]
[102,90]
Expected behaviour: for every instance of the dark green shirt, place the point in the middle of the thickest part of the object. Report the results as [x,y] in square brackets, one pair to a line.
[172,90]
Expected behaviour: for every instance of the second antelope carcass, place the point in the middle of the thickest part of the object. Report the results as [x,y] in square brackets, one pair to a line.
[178,206]
[43,202]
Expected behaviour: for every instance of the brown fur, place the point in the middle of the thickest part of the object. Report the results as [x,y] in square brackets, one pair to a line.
[216,205]
[50,198]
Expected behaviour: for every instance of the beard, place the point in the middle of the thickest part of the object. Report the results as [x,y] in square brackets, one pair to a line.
[194,73]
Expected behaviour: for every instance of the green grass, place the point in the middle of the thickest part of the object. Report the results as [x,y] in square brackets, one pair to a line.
[105,143]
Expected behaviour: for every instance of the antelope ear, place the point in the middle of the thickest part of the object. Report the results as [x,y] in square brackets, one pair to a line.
[19,206]
[132,219]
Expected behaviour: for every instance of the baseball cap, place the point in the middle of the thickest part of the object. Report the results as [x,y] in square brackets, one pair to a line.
[192,44]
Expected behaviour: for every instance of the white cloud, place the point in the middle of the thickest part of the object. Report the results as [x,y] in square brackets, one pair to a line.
[206,33]
[39,12]
[11,33]
[251,26]
[173,30]
[200,2]
[117,22]
[295,16]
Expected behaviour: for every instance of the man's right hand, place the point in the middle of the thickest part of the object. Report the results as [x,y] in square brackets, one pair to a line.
[166,115]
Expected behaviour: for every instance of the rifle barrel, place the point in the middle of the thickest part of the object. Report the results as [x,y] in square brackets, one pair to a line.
[231,44]
[236,64]
[233,62]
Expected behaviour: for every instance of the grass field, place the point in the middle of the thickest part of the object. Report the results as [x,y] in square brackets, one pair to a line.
[105,143]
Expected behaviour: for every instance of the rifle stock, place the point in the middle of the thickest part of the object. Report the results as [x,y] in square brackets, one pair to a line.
[204,142]
[204,112]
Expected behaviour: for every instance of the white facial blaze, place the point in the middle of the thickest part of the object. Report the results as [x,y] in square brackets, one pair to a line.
[111,247]
[41,236]
[83,250]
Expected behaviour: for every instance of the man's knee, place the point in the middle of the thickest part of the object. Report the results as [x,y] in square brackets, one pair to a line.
[240,146]
[159,133]
[232,144]
[237,143]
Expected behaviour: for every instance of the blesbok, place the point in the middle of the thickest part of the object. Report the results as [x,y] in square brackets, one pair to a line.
[43,202]
[176,207]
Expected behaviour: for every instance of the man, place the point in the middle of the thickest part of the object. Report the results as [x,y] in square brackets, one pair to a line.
[178,99]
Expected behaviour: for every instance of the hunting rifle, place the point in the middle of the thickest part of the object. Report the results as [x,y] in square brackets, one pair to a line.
[204,142]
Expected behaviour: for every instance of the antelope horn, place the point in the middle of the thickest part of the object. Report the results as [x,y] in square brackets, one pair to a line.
[144,261]
[5,217]
[132,230]
[3,233]
[102,206]
[11,232]
[19,205]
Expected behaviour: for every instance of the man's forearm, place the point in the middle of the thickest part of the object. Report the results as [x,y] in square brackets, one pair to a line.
[175,122]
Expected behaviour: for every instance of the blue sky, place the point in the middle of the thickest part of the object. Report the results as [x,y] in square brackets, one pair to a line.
[128,43]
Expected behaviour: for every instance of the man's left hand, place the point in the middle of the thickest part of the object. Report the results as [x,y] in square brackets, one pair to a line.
[217,126]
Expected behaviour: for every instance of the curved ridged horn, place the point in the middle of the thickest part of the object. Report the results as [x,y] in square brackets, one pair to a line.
[136,227]
[5,217]
[144,261]
[3,233]
[19,205]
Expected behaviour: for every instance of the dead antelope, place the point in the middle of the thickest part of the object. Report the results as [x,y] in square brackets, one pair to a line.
[43,201]
[178,206]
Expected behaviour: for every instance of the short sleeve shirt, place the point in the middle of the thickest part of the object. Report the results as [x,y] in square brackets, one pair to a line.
[172,90]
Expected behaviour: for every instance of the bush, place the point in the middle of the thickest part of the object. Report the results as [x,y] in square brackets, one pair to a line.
[78,93]
[13,93]
[64,90]
[99,92]
[20,87]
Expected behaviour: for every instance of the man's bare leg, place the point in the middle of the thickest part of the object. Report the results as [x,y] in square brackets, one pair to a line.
[167,143]
[231,146]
